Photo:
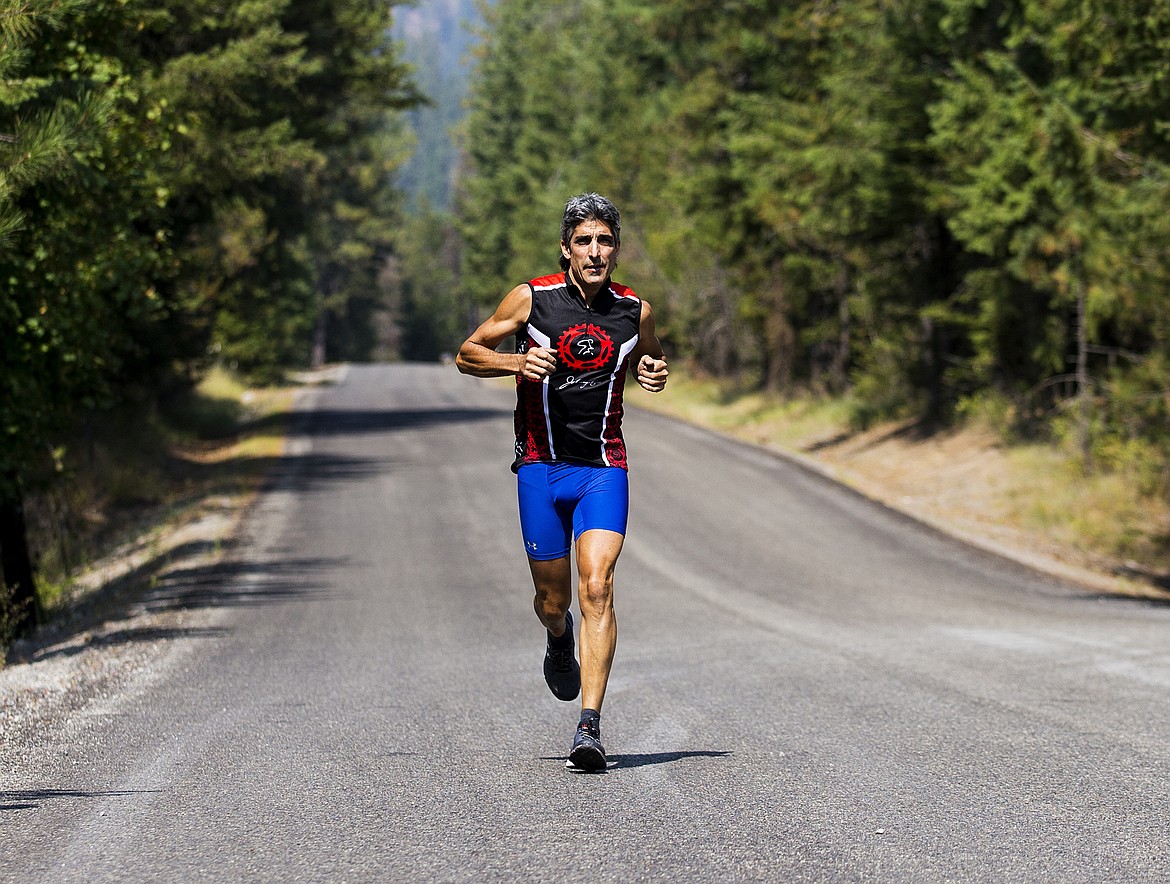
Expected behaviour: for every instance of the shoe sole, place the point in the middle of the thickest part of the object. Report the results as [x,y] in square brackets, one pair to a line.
[567,697]
[586,758]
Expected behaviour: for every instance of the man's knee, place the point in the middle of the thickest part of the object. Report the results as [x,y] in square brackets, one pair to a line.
[596,591]
[552,605]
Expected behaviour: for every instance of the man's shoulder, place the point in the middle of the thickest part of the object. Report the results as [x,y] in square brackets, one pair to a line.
[622,291]
[552,281]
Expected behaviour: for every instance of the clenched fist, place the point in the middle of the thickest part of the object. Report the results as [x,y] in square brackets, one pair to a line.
[539,363]
[651,374]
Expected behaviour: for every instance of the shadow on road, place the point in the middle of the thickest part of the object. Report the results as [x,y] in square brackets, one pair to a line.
[644,759]
[233,584]
[647,758]
[157,586]
[309,472]
[30,799]
[129,636]
[342,422]
[295,472]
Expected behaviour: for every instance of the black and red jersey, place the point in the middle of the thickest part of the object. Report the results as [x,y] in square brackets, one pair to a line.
[575,414]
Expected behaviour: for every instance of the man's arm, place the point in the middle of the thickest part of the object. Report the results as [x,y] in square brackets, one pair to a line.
[478,355]
[650,371]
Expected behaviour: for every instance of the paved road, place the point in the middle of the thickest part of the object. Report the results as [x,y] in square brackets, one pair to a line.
[808,688]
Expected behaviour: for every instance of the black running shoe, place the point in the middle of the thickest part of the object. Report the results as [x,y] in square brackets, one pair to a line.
[561,671]
[587,753]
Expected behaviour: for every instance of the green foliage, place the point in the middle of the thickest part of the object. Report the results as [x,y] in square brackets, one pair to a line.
[199,189]
[923,205]
[74,260]
[430,312]
[180,183]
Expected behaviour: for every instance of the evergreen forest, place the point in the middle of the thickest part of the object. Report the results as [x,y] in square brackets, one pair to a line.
[930,208]
[182,183]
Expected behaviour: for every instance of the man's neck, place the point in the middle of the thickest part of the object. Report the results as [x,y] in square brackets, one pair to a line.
[588,293]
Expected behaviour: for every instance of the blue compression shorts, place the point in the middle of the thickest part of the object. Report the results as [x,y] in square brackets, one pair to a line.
[561,501]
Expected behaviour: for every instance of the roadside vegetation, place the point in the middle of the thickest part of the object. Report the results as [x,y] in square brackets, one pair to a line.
[182,184]
[1029,499]
[134,478]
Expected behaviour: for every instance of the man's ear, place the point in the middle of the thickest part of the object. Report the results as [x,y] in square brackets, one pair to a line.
[565,249]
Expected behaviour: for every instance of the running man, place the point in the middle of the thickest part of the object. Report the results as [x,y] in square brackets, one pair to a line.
[577,335]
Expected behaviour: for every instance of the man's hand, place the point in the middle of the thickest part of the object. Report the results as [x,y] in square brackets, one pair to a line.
[539,363]
[652,373]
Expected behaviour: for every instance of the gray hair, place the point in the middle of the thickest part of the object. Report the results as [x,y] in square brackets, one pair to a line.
[589,207]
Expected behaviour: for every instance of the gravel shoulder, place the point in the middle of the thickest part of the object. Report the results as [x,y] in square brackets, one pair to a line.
[121,634]
[134,613]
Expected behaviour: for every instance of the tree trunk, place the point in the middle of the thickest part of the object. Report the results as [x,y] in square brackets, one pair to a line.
[1083,402]
[20,600]
[933,348]
[318,358]
[839,371]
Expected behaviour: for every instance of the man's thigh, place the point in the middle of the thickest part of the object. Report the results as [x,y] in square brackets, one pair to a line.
[597,554]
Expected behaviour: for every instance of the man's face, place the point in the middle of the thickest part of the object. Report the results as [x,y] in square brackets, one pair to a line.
[592,253]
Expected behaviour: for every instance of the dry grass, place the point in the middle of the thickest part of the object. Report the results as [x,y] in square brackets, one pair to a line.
[124,492]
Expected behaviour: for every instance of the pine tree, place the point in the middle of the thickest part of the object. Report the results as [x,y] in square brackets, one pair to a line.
[182,206]
[35,142]
[48,128]
[1056,174]
[353,211]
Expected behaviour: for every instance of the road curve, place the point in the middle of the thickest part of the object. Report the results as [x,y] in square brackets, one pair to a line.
[808,687]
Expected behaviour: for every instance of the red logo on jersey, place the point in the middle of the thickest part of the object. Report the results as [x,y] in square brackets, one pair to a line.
[584,347]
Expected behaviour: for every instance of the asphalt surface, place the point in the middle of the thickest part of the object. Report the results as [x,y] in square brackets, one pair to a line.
[808,687]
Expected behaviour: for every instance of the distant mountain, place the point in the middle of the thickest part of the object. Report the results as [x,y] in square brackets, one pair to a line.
[436,37]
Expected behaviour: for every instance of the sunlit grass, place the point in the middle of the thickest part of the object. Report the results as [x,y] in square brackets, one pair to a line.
[754,416]
[259,419]
[220,383]
[1103,513]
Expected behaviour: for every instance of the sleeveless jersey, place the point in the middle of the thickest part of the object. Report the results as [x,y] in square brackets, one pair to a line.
[575,414]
